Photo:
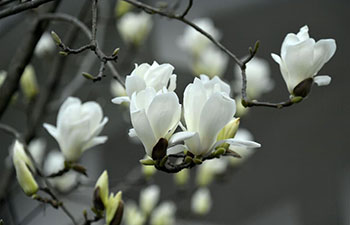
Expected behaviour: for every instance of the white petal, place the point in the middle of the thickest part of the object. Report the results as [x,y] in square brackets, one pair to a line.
[275,57]
[70,102]
[322,80]
[242,143]
[120,100]
[158,75]
[99,128]
[164,113]
[142,99]
[95,141]
[176,149]
[134,84]
[180,136]
[194,145]
[93,111]
[140,70]
[216,113]
[51,129]
[324,50]
[143,130]
[194,99]
[172,83]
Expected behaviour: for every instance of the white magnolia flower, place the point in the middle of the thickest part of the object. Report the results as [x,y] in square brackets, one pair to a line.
[149,198]
[45,46]
[207,109]
[201,201]
[132,215]
[145,75]
[211,61]
[258,78]
[37,149]
[154,116]
[78,126]
[194,41]
[53,164]
[24,166]
[302,58]
[135,27]
[244,151]
[209,169]
[164,214]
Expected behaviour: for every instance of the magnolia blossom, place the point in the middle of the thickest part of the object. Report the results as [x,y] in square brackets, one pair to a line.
[154,116]
[302,58]
[210,61]
[53,164]
[135,27]
[78,127]
[194,41]
[207,109]
[145,75]
[24,166]
[45,46]
[258,78]
[149,198]
[164,214]
[201,201]
[117,89]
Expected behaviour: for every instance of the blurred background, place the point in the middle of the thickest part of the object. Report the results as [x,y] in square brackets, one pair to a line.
[300,176]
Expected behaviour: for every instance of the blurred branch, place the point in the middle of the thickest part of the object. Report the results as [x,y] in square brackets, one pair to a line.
[22,7]
[10,130]
[241,63]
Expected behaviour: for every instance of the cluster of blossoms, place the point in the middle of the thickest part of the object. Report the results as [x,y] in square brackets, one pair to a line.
[155,112]
[205,57]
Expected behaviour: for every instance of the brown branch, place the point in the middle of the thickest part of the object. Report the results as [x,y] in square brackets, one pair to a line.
[22,7]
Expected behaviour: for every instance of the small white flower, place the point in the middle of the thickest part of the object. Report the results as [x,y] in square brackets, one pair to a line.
[37,149]
[145,75]
[164,214]
[201,201]
[78,126]
[207,109]
[24,166]
[53,164]
[211,61]
[154,116]
[135,27]
[132,215]
[45,46]
[194,41]
[258,78]
[149,198]
[302,58]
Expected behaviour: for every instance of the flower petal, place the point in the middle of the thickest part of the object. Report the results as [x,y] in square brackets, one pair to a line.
[143,130]
[176,149]
[172,83]
[95,141]
[276,58]
[70,102]
[180,136]
[120,100]
[194,144]
[164,113]
[322,80]
[51,129]
[238,142]
[134,84]
[216,113]
[324,50]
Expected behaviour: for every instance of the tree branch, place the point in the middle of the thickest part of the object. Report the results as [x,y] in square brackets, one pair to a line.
[22,7]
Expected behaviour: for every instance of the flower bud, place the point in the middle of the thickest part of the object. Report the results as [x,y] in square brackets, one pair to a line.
[100,198]
[229,131]
[29,84]
[149,198]
[114,209]
[132,215]
[303,88]
[23,165]
[45,46]
[164,214]
[121,8]
[181,178]
[201,201]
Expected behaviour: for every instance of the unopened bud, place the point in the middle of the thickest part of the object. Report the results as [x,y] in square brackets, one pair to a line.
[147,162]
[88,76]
[115,52]
[56,38]
[29,84]
[97,201]
[296,99]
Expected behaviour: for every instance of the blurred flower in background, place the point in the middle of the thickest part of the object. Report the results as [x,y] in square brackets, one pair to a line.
[201,202]
[45,47]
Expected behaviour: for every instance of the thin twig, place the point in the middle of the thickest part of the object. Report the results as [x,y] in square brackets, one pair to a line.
[190,3]
[22,7]
[10,130]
